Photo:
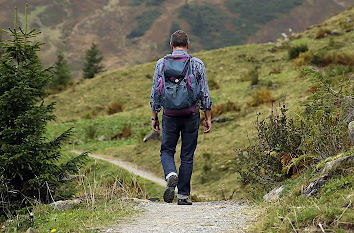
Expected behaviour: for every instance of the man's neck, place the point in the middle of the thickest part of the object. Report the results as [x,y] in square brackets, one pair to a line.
[180,48]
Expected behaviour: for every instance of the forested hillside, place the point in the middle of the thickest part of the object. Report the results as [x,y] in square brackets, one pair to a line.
[136,31]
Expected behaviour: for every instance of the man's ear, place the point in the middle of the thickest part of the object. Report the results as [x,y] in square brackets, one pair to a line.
[171,47]
[187,46]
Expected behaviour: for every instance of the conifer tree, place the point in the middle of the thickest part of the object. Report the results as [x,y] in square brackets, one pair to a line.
[31,164]
[62,73]
[92,63]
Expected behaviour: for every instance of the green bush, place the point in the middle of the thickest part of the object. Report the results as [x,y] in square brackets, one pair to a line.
[324,115]
[295,51]
[324,58]
[90,132]
[286,146]
[251,75]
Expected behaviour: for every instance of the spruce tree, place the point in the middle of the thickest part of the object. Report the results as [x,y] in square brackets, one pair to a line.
[31,164]
[62,73]
[92,63]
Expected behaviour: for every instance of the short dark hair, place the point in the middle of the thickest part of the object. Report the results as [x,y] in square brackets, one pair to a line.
[179,39]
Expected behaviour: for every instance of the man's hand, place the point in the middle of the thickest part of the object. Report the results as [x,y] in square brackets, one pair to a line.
[156,126]
[207,121]
[207,125]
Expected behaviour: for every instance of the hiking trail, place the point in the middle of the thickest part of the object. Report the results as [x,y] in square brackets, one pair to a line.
[159,217]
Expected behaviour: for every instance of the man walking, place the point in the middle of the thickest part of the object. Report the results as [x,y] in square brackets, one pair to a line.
[180,86]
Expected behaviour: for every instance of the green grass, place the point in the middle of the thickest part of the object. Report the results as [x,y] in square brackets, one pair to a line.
[104,184]
[332,207]
[77,219]
[131,86]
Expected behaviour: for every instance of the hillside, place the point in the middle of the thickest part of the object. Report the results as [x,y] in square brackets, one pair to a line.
[85,105]
[136,31]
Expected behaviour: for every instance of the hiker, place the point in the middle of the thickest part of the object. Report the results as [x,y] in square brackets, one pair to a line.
[180,86]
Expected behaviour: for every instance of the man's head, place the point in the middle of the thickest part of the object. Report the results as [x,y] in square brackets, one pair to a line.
[179,39]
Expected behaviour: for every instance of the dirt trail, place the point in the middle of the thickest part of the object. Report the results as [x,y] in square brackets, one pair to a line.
[132,168]
[203,217]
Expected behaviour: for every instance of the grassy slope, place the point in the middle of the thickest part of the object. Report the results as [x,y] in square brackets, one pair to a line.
[131,86]
[332,207]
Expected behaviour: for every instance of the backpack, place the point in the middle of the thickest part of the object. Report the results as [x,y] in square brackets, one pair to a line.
[177,87]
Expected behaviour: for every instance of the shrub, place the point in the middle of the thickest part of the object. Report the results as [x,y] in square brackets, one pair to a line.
[324,116]
[286,146]
[213,85]
[294,52]
[251,75]
[322,32]
[323,58]
[260,97]
[90,115]
[222,108]
[206,167]
[278,142]
[125,133]
[304,59]
[254,80]
[257,166]
[90,131]
[229,106]
[275,69]
[114,108]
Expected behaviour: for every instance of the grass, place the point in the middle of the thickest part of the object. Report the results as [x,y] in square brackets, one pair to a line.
[131,87]
[332,207]
[101,186]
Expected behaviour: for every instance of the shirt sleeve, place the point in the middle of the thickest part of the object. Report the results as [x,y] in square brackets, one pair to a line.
[155,107]
[204,88]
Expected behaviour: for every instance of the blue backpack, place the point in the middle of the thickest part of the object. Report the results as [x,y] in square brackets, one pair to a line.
[177,87]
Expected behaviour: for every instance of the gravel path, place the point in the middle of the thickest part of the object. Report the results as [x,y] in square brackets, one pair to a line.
[132,168]
[201,217]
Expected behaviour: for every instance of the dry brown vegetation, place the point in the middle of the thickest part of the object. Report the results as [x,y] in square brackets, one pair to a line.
[260,97]
[114,107]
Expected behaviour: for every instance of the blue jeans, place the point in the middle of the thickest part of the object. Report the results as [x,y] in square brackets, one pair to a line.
[172,128]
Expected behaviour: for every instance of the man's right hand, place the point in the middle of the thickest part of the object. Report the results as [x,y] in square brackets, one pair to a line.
[156,126]
[207,125]
[207,121]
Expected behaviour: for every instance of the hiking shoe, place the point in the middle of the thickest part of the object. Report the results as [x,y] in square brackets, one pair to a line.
[184,202]
[169,193]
